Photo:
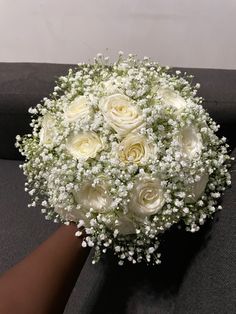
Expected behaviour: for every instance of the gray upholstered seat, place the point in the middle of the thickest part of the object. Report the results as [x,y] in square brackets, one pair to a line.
[198,272]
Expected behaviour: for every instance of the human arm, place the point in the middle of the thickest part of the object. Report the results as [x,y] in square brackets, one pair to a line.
[42,282]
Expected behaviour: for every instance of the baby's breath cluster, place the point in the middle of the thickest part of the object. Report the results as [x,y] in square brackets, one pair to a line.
[125,150]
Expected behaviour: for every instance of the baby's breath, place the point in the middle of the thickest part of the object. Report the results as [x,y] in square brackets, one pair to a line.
[185,154]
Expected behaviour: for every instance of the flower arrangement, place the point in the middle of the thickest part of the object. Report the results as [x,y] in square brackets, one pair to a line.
[125,150]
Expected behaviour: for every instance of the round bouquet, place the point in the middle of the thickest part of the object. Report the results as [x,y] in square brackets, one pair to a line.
[125,150]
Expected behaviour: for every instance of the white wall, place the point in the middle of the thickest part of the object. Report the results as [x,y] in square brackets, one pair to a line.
[196,33]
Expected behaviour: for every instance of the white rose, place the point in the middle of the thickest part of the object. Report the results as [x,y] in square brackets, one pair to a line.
[73,215]
[48,131]
[171,98]
[190,141]
[120,114]
[78,108]
[125,225]
[84,145]
[195,191]
[136,148]
[96,197]
[146,197]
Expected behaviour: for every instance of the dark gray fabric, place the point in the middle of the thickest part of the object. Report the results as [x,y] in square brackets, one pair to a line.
[21,228]
[23,85]
[197,274]
[209,285]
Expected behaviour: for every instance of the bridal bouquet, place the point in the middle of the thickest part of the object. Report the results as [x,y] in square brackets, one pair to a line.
[124,150]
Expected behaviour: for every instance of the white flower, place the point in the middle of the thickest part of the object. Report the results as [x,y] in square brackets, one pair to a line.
[73,215]
[190,141]
[110,87]
[136,148]
[125,225]
[121,114]
[78,108]
[84,145]
[48,131]
[146,197]
[171,98]
[96,197]
[195,191]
